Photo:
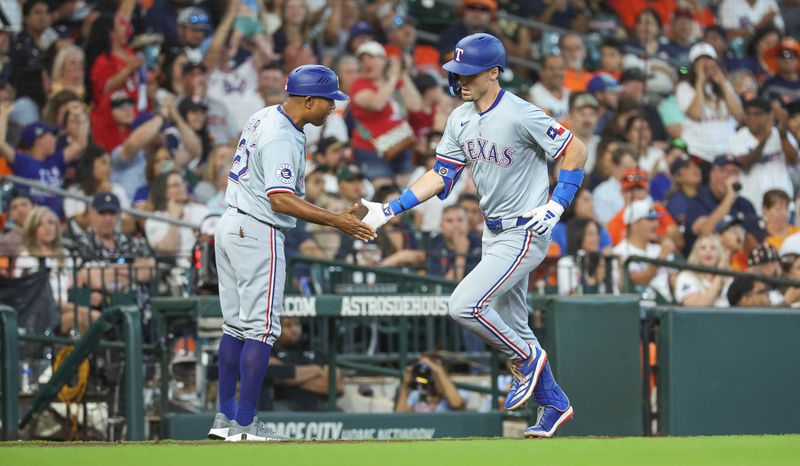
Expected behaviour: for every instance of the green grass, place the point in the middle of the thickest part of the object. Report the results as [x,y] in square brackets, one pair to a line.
[706,451]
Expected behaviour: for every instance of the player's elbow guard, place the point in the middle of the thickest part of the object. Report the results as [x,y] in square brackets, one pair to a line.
[449,173]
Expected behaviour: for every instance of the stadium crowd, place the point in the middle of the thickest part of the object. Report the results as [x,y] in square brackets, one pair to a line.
[690,110]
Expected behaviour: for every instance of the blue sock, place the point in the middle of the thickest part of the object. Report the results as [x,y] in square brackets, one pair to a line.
[230,352]
[252,369]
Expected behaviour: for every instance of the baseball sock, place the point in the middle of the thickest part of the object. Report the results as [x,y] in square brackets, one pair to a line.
[252,368]
[230,352]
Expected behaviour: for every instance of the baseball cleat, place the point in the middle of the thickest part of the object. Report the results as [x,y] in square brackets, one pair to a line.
[548,421]
[219,429]
[525,377]
[256,431]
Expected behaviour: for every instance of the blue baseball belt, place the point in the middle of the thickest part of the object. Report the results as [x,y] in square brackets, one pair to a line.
[499,225]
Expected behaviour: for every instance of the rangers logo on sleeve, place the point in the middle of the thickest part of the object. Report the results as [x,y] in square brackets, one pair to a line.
[285,174]
[555,131]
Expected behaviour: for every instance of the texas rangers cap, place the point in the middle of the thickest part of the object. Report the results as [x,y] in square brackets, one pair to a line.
[194,17]
[106,202]
[729,221]
[34,131]
[726,159]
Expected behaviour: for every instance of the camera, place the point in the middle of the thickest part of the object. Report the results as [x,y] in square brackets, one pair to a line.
[737,186]
[422,378]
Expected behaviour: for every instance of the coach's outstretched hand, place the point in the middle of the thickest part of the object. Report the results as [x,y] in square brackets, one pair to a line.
[377,214]
[350,224]
[544,218]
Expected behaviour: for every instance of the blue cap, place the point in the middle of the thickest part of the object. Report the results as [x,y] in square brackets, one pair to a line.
[361,28]
[601,83]
[33,131]
[194,17]
[726,159]
[106,202]
[316,81]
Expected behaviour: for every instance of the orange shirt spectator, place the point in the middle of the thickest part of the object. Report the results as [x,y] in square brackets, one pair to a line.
[628,10]
[617,227]
[635,184]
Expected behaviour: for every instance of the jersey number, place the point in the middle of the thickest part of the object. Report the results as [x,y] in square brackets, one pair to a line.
[239,169]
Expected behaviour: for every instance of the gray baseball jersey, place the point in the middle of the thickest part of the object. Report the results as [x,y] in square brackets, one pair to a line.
[251,266]
[270,158]
[506,148]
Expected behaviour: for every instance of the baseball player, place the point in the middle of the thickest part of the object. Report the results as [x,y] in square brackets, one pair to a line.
[265,197]
[506,141]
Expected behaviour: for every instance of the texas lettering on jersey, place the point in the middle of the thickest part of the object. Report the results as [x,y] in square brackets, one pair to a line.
[483,150]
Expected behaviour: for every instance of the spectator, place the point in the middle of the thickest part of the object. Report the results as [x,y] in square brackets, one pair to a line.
[791,270]
[401,42]
[697,289]
[195,114]
[455,251]
[717,37]
[433,104]
[549,92]
[744,84]
[765,260]
[582,207]
[331,156]
[639,134]
[170,199]
[741,18]
[472,206]
[69,72]
[583,267]
[162,18]
[41,161]
[192,26]
[382,136]
[576,78]
[718,199]
[476,16]
[296,28]
[605,89]
[764,39]
[55,111]
[634,188]
[396,241]
[612,51]
[219,158]
[710,104]
[682,30]
[272,78]
[776,217]
[27,55]
[219,120]
[646,33]
[731,234]
[661,181]
[94,176]
[233,73]
[686,182]
[19,207]
[157,161]
[643,240]
[315,183]
[782,61]
[359,33]
[114,66]
[427,388]
[129,159]
[43,247]
[634,84]
[748,292]
[112,262]
[582,121]
[608,194]
[763,152]
[351,184]
[308,388]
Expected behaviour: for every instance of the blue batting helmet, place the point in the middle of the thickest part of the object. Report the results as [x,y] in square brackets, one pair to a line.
[314,80]
[473,54]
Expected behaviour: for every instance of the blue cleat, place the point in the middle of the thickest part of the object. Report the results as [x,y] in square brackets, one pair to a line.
[548,421]
[525,377]
[554,406]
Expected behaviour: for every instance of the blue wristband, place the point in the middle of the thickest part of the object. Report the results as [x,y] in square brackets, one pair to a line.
[569,181]
[407,201]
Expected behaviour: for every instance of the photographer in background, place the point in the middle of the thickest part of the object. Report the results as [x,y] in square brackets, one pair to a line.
[427,388]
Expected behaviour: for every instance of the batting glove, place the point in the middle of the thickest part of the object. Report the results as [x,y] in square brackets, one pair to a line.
[544,218]
[377,214]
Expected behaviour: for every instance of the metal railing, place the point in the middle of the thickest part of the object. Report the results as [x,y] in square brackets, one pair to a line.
[16,180]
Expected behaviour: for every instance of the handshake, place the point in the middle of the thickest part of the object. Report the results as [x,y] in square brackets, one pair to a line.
[542,218]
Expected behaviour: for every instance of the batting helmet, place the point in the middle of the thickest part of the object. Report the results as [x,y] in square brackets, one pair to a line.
[473,54]
[314,80]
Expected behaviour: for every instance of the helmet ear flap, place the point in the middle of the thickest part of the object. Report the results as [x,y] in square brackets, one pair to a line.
[455,87]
